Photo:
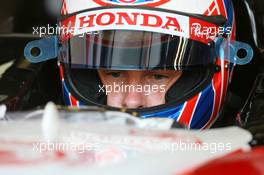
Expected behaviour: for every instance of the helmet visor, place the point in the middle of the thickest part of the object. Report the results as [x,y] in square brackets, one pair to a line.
[135,50]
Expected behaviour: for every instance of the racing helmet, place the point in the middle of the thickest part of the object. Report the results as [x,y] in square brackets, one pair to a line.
[139,42]
[190,36]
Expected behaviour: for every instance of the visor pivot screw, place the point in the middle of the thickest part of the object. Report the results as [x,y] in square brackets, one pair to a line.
[226,66]
[35,51]
[211,44]
[217,69]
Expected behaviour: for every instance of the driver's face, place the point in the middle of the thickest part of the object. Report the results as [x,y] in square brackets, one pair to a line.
[137,89]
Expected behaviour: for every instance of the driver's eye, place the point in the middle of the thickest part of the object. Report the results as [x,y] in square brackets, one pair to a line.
[114,74]
[159,77]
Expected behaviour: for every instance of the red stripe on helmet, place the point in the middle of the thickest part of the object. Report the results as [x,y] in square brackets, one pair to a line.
[199,35]
[221,7]
[217,87]
[233,33]
[73,101]
[206,12]
[188,111]
[61,72]
[212,6]
[212,9]
[67,28]
[64,10]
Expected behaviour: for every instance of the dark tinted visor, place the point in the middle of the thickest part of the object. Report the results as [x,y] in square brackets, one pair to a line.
[134,50]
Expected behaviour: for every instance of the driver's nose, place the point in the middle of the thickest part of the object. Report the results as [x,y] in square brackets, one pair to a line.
[133,100]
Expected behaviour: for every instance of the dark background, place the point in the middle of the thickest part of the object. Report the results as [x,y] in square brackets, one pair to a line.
[29,13]
[25,86]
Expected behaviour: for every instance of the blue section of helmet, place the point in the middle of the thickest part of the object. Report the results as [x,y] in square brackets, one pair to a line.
[204,108]
[66,94]
[172,113]
[230,19]
[230,13]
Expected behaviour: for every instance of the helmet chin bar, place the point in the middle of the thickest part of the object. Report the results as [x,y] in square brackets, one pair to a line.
[46,49]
